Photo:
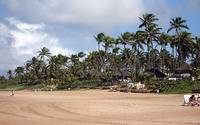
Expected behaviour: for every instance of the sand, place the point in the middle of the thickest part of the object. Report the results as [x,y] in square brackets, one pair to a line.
[94,107]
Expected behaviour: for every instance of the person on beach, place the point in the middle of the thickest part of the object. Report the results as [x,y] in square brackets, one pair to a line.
[12,92]
[192,101]
[198,100]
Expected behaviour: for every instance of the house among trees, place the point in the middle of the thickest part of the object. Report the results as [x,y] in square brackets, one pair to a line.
[157,73]
[183,71]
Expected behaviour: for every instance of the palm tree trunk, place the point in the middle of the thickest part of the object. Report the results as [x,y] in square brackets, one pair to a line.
[161,57]
[98,46]
[148,55]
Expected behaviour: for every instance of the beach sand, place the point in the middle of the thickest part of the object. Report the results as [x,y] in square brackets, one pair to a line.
[94,107]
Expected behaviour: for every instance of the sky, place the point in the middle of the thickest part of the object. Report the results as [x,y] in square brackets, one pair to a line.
[69,26]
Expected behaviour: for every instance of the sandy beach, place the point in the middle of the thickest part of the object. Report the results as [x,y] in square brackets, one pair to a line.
[94,107]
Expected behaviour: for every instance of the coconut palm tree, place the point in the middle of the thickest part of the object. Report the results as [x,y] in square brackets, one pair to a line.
[139,43]
[19,73]
[44,52]
[35,67]
[176,24]
[184,46]
[125,38]
[107,43]
[99,38]
[9,74]
[150,33]
[195,62]
[164,40]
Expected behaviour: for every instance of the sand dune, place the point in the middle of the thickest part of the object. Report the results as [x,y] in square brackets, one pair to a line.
[94,107]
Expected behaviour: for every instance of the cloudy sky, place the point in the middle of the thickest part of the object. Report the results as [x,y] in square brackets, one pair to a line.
[68,26]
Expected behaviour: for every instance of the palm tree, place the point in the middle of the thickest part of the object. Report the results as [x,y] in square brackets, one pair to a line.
[126,55]
[164,39]
[81,55]
[176,24]
[196,53]
[138,40]
[184,46]
[35,67]
[150,32]
[44,52]
[9,73]
[108,41]
[125,38]
[74,59]
[99,38]
[19,72]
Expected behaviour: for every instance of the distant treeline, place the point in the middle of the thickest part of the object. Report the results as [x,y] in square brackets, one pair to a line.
[130,54]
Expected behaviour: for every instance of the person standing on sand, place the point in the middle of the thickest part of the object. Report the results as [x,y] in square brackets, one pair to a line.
[12,92]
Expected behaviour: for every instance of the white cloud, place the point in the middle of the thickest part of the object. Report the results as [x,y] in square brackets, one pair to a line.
[75,22]
[94,13]
[20,41]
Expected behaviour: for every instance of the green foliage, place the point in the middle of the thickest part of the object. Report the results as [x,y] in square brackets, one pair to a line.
[117,58]
[10,86]
[178,87]
[79,84]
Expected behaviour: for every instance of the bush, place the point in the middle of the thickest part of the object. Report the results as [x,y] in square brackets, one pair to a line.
[79,84]
[178,87]
[11,86]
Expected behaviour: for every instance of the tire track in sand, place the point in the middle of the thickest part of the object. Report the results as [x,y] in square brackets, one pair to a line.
[13,114]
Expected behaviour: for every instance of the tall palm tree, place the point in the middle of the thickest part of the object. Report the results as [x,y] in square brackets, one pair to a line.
[164,39]
[44,52]
[151,32]
[184,46]
[138,39]
[10,75]
[19,72]
[35,67]
[125,38]
[176,24]
[99,38]
[107,42]
[196,53]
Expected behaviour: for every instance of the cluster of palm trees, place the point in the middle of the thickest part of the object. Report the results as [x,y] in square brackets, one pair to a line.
[129,54]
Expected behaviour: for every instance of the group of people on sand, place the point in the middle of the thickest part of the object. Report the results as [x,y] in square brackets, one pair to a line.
[193,100]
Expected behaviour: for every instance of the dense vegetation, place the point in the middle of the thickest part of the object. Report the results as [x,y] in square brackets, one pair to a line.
[130,53]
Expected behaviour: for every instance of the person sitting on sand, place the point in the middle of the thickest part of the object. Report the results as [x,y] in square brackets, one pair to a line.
[198,100]
[192,101]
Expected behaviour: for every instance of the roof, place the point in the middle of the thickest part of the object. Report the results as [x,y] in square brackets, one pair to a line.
[156,72]
[185,68]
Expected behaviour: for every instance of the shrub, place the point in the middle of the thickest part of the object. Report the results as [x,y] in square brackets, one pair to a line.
[79,84]
[182,86]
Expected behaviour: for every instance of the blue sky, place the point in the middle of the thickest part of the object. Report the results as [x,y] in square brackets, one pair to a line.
[68,26]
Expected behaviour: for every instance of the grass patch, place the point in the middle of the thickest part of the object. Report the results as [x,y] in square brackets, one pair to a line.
[8,87]
[178,87]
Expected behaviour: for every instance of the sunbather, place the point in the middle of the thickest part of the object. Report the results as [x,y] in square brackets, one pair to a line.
[192,101]
[198,101]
